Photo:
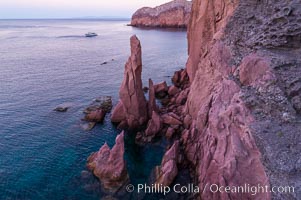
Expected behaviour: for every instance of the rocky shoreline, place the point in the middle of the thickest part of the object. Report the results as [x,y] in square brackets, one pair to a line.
[225,110]
[148,120]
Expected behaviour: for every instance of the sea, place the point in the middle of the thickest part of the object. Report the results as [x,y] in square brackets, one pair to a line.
[44,63]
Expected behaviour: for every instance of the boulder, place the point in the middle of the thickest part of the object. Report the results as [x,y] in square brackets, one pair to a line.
[182,97]
[109,166]
[184,78]
[104,103]
[176,78]
[154,125]
[161,89]
[173,90]
[96,111]
[131,92]
[96,116]
[171,119]
[180,78]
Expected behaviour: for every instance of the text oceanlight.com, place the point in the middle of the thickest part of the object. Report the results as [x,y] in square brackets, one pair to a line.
[214,188]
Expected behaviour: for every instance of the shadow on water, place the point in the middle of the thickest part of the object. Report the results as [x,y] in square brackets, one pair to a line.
[141,160]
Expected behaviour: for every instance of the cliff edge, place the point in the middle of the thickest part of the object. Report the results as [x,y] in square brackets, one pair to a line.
[174,14]
[245,96]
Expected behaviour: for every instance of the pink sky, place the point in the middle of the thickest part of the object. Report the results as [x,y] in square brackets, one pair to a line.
[72,8]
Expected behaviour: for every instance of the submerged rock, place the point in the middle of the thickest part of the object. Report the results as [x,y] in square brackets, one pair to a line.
[104,103]
[132,99]
[109,165]
[63,107]
[95,116]
[96,112]
[88,126]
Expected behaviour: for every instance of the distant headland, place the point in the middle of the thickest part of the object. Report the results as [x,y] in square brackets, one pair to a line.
[174,14]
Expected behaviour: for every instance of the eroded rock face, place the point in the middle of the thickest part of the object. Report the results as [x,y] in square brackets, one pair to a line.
[118,114]
[173,14]
[252,68]
[132,108]
[208,18]
[221,131]
[168,170]
[154,125]
[244,73]
[152,106]
[109,165]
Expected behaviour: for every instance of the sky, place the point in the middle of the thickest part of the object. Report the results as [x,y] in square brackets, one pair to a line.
[26,9]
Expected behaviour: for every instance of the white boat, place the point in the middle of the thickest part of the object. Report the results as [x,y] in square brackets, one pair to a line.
[90,34]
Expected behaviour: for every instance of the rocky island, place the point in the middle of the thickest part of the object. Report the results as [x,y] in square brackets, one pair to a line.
[232,115]
[174,14]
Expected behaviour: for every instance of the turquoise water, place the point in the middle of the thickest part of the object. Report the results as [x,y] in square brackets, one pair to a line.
[44,63]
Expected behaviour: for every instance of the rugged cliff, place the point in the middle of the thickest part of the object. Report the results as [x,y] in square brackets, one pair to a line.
[131,110]
[233,116]
[245,95]
[173,14]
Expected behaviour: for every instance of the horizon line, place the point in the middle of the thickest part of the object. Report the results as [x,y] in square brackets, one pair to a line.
[70,18]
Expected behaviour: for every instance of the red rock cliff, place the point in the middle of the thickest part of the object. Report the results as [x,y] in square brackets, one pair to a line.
[173,14]
[244,98]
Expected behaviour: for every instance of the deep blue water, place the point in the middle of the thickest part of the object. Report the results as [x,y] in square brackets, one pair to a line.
[44,63]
